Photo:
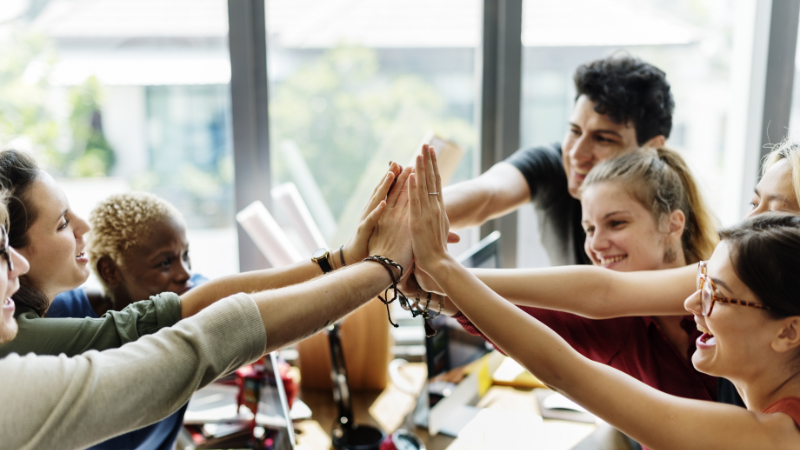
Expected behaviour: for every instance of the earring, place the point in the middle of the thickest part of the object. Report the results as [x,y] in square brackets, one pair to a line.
[670,255]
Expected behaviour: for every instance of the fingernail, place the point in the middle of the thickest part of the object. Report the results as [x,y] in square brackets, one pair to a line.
[390,163]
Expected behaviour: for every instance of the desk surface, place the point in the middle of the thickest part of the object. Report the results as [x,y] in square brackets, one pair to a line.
[389,410]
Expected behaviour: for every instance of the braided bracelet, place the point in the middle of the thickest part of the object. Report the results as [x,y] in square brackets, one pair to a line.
[388,264]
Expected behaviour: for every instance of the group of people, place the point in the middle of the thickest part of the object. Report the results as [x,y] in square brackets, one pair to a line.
[690,340]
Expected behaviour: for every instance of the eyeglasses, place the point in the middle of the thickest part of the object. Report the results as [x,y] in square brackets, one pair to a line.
[4,249]
[709,294]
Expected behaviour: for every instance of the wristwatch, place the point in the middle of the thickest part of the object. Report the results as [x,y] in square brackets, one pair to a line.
[321,258]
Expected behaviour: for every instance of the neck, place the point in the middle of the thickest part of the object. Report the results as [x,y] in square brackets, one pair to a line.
[768,387]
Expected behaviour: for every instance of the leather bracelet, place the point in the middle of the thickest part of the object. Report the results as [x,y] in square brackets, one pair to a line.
[388,264]
[341,255]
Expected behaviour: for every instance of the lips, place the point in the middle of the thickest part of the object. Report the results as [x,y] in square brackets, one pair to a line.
[82,258]
[707,339]
[607,261]
[9,305]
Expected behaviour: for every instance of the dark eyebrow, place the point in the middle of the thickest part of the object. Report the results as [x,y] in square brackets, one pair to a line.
[719,282]
[571,124]
[608,132]
[160,253]
[63,213]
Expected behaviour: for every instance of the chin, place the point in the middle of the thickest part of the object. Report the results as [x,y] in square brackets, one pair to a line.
[704,365]
[8,331]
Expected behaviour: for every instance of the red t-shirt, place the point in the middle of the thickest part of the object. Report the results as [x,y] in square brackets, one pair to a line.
[789,406]
[634,345]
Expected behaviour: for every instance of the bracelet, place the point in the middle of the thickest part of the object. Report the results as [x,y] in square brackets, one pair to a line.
[428,315]
[388,264]
[341,255]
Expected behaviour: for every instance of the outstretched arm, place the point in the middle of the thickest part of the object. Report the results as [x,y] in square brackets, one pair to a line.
[587,291]
[159,372]
[355,250]
[678,424]
[495,193]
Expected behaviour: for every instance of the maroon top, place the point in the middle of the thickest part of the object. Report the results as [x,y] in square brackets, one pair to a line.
[634,345]
[787,405]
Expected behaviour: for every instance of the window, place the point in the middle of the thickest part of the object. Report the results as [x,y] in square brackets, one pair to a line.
[128,94]
[689,40]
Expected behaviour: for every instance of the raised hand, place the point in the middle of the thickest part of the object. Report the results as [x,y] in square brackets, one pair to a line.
[429,224]
[391,236]
[357,248]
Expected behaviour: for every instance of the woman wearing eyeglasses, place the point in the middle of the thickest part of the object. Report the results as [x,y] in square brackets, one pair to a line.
[755,347]
[596,293]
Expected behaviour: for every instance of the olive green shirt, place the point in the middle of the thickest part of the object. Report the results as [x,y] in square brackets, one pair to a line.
[60,402]
[70,336]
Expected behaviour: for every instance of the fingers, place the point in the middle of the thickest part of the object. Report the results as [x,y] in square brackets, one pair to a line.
[413,197]
[453,238]
[429,173]
[373,217]
[422,184]
[437,178]
[378,194]
[398,187]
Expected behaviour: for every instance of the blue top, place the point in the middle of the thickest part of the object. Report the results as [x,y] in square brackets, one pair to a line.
[158,436]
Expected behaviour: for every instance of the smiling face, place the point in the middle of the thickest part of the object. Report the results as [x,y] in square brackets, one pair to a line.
[160,264]
[9,284]
[775,192]
[735,336]
[590,139]
[55,252]
[621,234]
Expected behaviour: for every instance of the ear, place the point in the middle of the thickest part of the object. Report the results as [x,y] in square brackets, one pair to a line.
[788,337]
[677,223]
[656,141]
[109,271]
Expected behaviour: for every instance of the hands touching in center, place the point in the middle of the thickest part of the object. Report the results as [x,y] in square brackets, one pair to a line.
[428,220]
[357,247]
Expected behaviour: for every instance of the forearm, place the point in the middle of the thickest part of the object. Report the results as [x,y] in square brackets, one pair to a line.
[207,293]
[296,312]
[594,292]
[603,390]
[94,396]
[497,192]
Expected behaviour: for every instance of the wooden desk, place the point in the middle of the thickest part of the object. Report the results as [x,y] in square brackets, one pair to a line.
[388,410]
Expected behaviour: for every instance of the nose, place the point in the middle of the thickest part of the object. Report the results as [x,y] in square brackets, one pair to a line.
[182,274]
[694,303]
[598,241]
[582,150]
[81,226]
[21,265]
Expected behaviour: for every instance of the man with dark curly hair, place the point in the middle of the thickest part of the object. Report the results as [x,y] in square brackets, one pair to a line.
[622,104]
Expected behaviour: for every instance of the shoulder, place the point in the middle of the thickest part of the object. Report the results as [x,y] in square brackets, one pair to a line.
[787,405]
[74,303]
[540,155]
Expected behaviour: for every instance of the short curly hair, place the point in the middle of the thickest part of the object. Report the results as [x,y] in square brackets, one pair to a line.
[628,89]
[122,221]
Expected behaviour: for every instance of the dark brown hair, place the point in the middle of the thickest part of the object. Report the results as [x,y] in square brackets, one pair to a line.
[628,89]
[765,254]
[662,182]
[18,172]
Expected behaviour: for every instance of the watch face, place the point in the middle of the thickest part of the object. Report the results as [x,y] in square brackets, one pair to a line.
[319,254]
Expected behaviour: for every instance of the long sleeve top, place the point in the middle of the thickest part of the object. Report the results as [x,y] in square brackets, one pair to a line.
[74,402]
[70,336]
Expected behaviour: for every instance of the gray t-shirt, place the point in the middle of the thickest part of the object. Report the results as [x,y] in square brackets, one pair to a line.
[558,213]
